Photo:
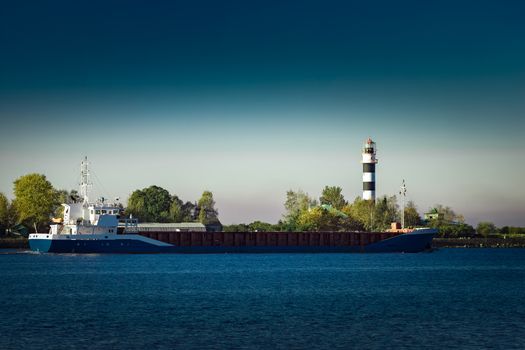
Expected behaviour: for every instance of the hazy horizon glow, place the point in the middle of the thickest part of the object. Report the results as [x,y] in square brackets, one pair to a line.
[249,100]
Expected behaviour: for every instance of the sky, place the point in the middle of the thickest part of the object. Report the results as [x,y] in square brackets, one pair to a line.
[249,99]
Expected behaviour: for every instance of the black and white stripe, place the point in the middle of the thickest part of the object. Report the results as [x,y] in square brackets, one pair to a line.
[369,170]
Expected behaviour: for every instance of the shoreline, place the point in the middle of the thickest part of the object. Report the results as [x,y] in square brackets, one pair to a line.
[14,243]
[479,242]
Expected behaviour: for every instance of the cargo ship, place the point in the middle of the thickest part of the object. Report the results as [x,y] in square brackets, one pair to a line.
[91,228]
[415,241]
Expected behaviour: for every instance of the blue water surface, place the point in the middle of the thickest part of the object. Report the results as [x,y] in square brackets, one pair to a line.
[458,298]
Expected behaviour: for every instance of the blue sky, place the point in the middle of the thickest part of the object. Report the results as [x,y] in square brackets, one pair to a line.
[250,99]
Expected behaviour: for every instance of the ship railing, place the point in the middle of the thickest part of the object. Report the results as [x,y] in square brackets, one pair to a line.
[131,225]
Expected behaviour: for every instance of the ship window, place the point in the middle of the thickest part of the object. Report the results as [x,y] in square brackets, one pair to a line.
[91,211]
[104,211]
[97,211]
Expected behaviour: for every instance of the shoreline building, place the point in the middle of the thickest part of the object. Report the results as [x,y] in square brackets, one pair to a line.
[369,162]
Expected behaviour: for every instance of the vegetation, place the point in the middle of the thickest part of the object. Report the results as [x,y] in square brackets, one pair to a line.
[256,226]
[453,230]
[335,214]
[302,213]
[512,230]
[4,213]
[155,204]
[35,200]
[485,228]
[449,223]
[332,195]
[65,196]
[296,203]
[176,212]
[317,219]
[206,207]
[448,215]
[412,218]
[386,212]
[151,204]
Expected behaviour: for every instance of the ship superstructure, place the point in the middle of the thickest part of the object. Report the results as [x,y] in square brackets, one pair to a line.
[83,217]
[89,226]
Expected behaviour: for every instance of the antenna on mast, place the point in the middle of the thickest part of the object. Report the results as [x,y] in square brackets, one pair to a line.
[84,180]
[403,193]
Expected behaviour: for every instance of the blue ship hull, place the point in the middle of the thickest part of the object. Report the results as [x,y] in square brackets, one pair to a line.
[131,244]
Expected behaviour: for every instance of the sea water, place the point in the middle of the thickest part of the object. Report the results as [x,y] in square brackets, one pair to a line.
[449,298]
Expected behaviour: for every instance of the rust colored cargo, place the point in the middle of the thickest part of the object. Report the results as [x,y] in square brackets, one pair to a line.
[270,239]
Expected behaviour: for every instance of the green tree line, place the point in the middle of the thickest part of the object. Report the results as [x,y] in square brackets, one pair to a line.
[36,201]
[156,204]
[332,212]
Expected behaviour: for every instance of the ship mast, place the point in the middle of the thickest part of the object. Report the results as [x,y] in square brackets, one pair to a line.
[84,181]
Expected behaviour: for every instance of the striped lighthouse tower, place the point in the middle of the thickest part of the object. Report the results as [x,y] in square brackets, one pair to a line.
[369,170]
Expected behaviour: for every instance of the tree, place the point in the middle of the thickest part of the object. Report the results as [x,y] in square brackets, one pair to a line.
[485,228]
[4,213]
[412,217]
[65,197]
[454,229]
[449,224]
[236,228]
[363,211]
[35,200]
[350,223]
[176,210]
[314,219]
[12,215]
[296,203]
[386,211]
[449,215]
[375,216]
[512,230]
[189,211]
[332,195]
[259,226]
[207,212]
[74,197]
[150,204]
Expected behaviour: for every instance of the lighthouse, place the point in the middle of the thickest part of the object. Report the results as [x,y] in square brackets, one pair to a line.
[369,170]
